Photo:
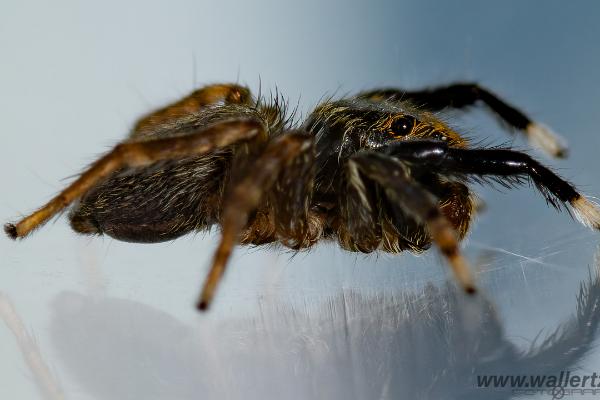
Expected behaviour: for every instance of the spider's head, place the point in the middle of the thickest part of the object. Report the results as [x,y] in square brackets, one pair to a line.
[346,126]
[412,125]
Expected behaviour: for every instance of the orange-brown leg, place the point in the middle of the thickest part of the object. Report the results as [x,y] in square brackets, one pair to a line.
[413,199]
[138,154]
[244,197]
[211,94]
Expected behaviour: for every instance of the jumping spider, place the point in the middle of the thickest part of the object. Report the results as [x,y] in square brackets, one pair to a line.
[377,171]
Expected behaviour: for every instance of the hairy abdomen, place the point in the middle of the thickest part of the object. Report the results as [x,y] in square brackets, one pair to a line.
[157,204]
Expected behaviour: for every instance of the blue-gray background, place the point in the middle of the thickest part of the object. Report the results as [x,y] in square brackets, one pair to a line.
[74,76]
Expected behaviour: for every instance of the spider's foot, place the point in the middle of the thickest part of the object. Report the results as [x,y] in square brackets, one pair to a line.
[544,138]
[462,272]
[202,305]
[11,231]
[587,212]
[206,297]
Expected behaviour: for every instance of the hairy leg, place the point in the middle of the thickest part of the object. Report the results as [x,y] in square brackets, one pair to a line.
[138,154]
[208,95]
[244,195]
[410,197]
[462,95]
[360,228]
[456,201]
[296,225]
[506,165]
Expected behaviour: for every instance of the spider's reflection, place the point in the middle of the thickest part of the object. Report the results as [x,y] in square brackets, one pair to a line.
[427,345]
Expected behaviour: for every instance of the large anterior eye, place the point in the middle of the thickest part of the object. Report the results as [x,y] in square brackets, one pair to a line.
[402,126]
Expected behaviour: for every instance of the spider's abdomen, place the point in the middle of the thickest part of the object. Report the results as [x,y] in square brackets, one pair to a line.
[156,204]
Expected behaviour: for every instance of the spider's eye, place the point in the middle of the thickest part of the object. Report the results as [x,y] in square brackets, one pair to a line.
[402,126]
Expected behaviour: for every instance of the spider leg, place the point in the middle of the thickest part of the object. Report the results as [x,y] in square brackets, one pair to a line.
[462,95]
[360,229]
[296,225]
[404,192]
[138,154]
[244,196]
[506,165]
[205,96]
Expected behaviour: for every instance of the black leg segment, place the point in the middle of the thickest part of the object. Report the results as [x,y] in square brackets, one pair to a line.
[458,95]
[461,95]
[496,163]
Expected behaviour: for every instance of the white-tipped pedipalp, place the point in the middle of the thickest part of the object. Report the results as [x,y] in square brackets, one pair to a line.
[587,212]
[543,137]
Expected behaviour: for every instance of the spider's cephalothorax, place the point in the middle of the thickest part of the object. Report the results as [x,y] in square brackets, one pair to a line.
[378,170]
